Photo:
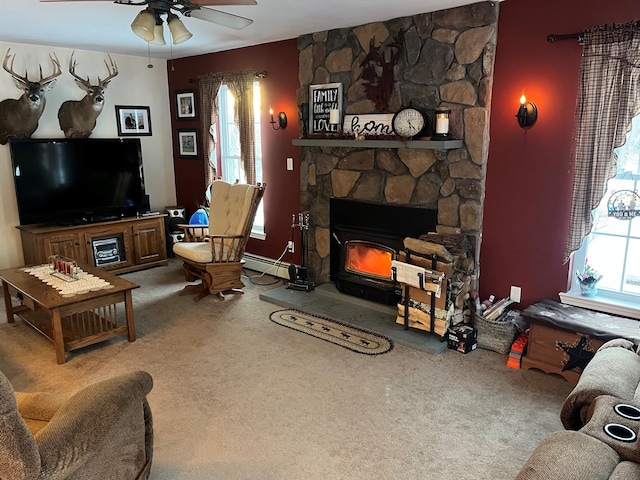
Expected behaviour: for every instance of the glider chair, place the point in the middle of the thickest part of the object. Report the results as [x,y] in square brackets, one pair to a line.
[216,259]
[103,432]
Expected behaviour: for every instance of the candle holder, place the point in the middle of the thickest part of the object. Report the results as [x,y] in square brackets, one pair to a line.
[334,119]
[63,267]
[441,124]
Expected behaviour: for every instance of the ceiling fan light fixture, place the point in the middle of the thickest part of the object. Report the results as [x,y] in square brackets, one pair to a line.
[179,32]
[158,35]
[144,24]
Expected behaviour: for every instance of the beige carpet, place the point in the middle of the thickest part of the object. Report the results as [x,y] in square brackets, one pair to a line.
[238,397]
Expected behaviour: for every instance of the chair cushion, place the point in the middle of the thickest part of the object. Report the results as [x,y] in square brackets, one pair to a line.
[199,252]
[569,455]
[230,205]
[19,457]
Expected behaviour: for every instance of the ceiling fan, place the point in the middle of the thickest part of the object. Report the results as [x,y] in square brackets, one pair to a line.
[148,23]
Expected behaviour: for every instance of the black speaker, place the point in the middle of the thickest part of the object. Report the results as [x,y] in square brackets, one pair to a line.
[171,239]
[175,216]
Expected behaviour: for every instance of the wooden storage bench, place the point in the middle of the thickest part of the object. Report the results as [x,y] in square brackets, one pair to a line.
[563,338]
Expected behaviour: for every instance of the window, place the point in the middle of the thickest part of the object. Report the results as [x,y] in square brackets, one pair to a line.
[229,147]
[613,247]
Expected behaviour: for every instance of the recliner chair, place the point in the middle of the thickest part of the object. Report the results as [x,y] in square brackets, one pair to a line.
[104,431]
[602,420]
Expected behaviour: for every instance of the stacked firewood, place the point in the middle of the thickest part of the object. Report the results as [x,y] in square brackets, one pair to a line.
[454,256]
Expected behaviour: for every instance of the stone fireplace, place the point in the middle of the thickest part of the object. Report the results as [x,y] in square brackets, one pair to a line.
[447,60]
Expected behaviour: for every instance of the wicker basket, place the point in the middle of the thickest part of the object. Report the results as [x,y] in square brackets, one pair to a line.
[496,335]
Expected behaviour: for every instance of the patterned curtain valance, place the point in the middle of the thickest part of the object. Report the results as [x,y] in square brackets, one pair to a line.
[608,99]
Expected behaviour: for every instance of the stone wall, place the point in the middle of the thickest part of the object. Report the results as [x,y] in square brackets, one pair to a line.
[447,60]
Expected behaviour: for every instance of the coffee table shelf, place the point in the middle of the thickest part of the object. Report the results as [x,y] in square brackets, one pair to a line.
[78,330]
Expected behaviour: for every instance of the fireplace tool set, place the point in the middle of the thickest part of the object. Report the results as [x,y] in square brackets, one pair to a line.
[298,274]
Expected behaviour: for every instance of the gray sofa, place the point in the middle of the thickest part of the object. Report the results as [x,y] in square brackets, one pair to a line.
[602,420]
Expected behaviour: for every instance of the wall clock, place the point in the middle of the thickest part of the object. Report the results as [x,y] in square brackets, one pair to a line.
[408,122]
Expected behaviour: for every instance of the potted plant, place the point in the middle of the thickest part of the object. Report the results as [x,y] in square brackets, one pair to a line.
[588,279]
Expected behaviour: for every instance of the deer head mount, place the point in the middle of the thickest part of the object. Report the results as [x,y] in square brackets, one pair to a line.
[77,118]
[19,118]
[377,70]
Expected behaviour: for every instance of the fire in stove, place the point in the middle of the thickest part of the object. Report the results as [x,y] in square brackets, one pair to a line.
[366,258]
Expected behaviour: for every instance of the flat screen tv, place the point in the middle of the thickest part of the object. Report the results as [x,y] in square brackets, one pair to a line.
[75,181]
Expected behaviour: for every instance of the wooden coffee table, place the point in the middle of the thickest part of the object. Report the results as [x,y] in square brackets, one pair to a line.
[70,322]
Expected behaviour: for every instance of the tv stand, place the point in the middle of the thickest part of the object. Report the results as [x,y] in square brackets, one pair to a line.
[120,246]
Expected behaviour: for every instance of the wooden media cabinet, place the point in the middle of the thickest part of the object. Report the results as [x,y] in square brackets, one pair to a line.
[119,246]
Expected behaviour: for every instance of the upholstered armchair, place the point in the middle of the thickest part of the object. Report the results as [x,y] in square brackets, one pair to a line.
[216,257]
[102,432]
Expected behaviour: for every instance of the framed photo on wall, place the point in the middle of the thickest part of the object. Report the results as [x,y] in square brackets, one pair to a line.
[133,121]
[188,143]
[186,104]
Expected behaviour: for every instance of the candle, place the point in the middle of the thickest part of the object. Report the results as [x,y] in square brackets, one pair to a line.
[334,116]
[442,124]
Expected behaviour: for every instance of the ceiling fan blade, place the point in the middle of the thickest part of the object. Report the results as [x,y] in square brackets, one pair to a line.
[220,3]
[221,18]
[200,3]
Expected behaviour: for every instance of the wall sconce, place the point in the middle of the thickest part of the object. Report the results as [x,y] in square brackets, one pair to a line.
[281,120]
[527,113]
[441,130]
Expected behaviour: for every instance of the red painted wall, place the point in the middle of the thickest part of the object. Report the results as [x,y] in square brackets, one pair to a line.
[529,171]
[282,195]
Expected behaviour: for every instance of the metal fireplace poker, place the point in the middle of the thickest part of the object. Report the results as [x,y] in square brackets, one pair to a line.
[298,275]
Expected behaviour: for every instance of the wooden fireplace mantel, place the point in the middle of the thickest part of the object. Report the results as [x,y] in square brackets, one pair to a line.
[342,142]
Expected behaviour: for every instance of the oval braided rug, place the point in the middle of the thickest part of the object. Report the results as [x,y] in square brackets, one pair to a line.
[346,336]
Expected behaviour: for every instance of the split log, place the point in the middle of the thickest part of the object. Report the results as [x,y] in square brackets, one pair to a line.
[456,244]
[422,321]
[424,262]
[428,248]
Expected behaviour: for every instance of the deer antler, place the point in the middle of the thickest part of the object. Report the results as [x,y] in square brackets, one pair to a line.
[57,71]
[25,79]
[396,49]
[112,69]
[72,71]
[10,69]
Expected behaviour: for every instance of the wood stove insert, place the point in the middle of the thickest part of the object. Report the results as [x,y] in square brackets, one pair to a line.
[365,238]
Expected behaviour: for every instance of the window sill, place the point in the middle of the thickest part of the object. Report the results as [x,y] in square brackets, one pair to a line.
[258,235]
[601,303]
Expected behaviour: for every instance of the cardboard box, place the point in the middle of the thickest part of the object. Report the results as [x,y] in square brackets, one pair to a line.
[462,338]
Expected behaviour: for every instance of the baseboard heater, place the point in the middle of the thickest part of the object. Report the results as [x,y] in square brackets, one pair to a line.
[266,265]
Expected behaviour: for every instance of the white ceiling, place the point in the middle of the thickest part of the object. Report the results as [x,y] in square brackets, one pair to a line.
[104,26]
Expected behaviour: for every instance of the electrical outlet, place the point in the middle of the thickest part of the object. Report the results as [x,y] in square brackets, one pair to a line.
[291,246]
[515,294]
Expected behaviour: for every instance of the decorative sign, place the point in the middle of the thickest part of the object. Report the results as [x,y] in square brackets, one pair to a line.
[370,124]
[624,205]
[324,99]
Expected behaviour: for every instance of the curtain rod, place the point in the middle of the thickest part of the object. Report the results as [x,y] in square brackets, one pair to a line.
[552,37]
[258,75]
